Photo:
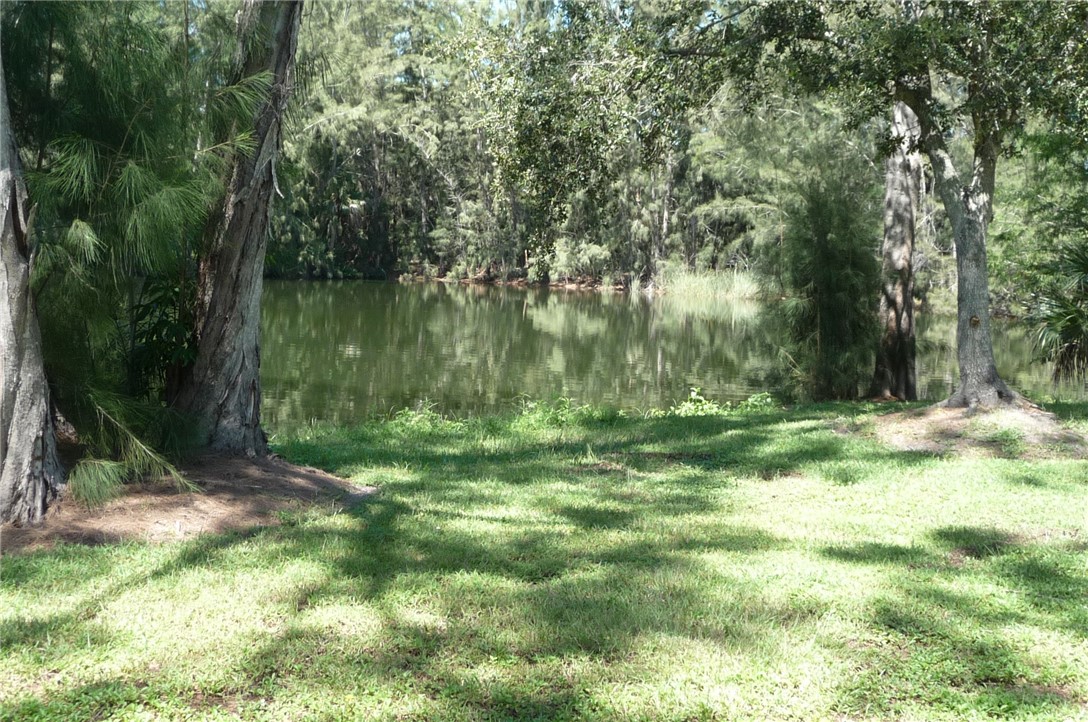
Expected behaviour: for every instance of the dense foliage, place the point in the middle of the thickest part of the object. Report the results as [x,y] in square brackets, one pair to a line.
[121,174]
[1053,246]
[1060,313]
[826,263]
[532,140]
[551,140]
[503,145]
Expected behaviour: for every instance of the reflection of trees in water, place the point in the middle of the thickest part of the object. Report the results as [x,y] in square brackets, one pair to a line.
[937,370]
[632,352]
[343,351]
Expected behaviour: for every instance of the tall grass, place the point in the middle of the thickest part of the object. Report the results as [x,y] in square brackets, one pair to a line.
[731,295]
[702,286]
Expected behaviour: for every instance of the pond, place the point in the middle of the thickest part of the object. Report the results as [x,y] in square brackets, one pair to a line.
[343,351]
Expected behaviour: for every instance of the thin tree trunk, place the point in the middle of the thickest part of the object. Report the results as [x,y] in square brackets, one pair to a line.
[894,375]
[666,202]
[223,388]
[30,472]
[47,81]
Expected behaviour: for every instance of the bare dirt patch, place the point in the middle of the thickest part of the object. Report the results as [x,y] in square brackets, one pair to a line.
[234,493]
[1017,431]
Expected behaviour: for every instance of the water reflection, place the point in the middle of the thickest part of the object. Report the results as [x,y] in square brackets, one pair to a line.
[937,370]
[342,351]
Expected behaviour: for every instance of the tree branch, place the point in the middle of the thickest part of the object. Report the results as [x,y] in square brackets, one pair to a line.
[917,94]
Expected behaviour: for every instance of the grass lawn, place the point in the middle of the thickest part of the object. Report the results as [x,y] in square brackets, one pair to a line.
[564,563]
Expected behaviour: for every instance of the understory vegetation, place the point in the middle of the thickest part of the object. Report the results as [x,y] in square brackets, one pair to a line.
[565,562]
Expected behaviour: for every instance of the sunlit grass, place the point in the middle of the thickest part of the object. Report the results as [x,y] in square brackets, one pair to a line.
[571,563]
[730,295]
[729,284]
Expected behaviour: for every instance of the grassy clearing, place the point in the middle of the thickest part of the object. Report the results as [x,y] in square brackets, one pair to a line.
[566,563]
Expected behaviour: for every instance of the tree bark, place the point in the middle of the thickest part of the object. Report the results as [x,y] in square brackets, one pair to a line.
[969,204]
[222,390]
[894,375]
[30,472]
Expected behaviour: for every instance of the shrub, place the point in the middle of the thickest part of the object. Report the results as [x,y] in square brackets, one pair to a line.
[827,264]
[1060,314]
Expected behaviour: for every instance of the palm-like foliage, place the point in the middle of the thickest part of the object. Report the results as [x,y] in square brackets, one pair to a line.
[115,453]
[1061,314]
[121,177]
[116,106]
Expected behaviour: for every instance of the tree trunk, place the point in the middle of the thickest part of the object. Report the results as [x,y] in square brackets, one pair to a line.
[222,390]
[969,206]
[979,384]
[894,375]
[30,472]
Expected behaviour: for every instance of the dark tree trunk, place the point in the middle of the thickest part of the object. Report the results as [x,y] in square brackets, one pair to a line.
[969,204]
[30,472]
[222,390]
[894,375]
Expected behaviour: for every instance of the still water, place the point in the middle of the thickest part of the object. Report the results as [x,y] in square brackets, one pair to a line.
[341,352]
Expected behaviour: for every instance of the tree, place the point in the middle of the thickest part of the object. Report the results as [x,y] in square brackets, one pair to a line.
[964,68]
[30,472]
[894,375]
[122,186]
[222,389]
[823,258]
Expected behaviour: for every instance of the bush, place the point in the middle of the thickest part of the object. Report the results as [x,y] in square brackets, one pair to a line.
[1060,314]
[827,264]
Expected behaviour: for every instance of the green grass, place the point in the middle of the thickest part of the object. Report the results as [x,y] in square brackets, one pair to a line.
[566,563]
[731,284]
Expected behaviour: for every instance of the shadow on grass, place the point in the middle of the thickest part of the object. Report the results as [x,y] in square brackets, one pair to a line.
[414,668]
[597,517]
[59,635]
[878,553]
[975,542]
[86,702]
[587,573]
[65,567]
[940,640]
[1069,410]
[764,445]
[538,629]
[518,601]
[549,585]
[70,632]
[525,559]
